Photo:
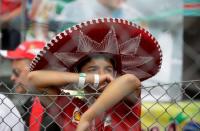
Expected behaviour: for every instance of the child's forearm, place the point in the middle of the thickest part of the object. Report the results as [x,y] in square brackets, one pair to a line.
[51,78]
[114,92]
[42,79]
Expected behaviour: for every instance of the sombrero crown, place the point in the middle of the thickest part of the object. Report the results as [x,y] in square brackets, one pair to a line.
[135,50]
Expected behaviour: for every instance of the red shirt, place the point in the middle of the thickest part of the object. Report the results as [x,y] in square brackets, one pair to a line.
[123,116]
[7,6]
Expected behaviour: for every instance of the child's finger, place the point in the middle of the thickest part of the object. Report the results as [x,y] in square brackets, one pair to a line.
[83,126]
[110,78]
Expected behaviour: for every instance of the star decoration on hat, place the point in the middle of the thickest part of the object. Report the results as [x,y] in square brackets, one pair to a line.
[128,52]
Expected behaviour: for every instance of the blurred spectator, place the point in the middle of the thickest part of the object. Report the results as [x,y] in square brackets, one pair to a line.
[10,118]
[39,14]
[51,16]
[10,12]
[30,107]
[21,58]
[91,9]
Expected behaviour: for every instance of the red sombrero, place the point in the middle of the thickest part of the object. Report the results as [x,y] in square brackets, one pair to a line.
[135,50]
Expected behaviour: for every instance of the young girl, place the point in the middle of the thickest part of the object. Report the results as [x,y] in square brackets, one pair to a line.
[107,56]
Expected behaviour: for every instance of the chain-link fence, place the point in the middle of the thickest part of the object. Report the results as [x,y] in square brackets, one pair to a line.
[63,112]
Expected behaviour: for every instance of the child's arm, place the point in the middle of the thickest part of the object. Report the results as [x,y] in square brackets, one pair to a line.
[110,96]
[43,79]
[49,81]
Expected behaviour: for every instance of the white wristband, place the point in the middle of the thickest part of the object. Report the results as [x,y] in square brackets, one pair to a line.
[81,80]
[96,80]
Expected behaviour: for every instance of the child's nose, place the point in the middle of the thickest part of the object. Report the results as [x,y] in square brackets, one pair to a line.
[101,72]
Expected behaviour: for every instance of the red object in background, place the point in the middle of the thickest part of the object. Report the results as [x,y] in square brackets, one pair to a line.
[192,6]
[7,6]
[36,115]
[26,50]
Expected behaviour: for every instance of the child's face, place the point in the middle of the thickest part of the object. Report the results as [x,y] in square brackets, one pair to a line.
[98,66]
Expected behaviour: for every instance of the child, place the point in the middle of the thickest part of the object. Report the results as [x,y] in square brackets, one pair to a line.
[107,56]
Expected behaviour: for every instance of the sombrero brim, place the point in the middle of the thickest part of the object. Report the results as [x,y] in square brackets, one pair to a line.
[63,52]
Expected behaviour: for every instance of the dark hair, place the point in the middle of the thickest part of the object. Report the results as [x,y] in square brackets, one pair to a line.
[89,57]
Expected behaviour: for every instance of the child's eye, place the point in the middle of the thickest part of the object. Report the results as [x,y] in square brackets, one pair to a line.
[109,70]
[91,70]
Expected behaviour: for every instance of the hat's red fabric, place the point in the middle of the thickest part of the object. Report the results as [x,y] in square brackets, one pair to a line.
[134,49]
[26,50]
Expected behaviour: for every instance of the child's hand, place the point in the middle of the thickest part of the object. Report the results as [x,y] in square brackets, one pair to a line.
[105,78]
[102,78]
[104,81]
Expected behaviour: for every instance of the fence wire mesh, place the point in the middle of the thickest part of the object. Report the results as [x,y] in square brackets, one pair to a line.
[63,112]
